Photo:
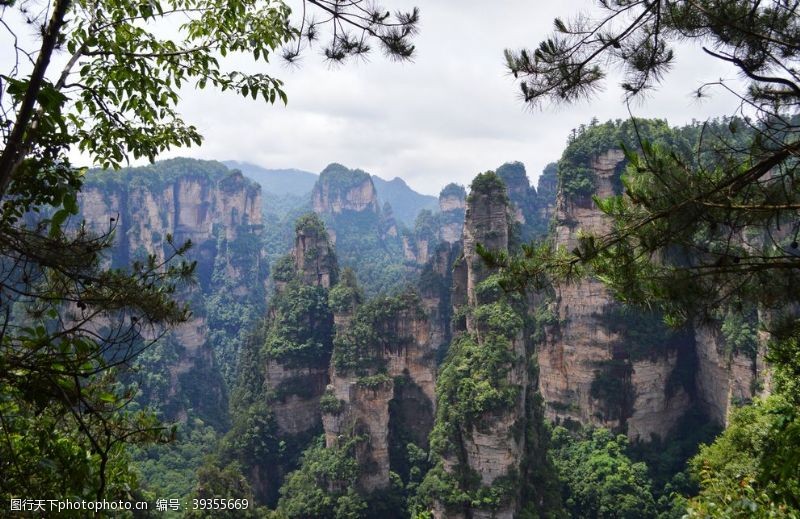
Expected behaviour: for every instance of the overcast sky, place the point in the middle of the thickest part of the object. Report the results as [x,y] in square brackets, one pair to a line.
[448,115]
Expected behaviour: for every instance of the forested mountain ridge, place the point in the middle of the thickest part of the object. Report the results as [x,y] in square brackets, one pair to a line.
[405,202]
[156,208]
[186,375]
[277,181]
[326,395]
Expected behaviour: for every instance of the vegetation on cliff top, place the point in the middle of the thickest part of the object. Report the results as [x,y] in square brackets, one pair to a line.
[374,330]
[488,184]
[453,190]
[700,231]
[339,179]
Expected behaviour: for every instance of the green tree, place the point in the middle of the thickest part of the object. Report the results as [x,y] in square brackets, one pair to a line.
[736,481]
[598,480]
[325,484]
[711,227]
[68,321]
[229,485]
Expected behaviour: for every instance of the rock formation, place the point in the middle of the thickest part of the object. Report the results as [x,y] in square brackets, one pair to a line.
[340,189]
[367,238]
[584,360]
[725,379]
[452,204]
[546,190]
[483,385]
[299,384]
[382,383]
[606,365]
[199,201]
[189,206]
[283,371]
[531,210]
[520,192]
[314,258]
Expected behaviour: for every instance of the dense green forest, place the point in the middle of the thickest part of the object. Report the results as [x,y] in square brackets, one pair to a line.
[618,339]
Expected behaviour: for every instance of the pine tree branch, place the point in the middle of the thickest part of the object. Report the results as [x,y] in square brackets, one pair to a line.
[752,75]
[14,147]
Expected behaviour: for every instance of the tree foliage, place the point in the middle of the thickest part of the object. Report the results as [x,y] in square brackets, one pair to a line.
[375,329]
[702,231]
[103,78]
[760,39]
[325,484]
[743,473]
[598,479]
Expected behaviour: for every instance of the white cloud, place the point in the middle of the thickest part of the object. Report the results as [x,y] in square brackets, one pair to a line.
[450,114]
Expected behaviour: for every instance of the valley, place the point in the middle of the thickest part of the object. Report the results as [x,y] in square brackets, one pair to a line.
[341,358]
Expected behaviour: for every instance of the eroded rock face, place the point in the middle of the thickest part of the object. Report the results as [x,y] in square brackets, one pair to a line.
[415,251]
[658,403]
[449,203]
[206,208]
[724,379]
[487,223]
[581,352]
[189,207]
[299,387]
[572,352]
[296,413]
[375,402]
[339,189]
[314,258]
[489,447]
[546,190]
[452,205]
[435,287]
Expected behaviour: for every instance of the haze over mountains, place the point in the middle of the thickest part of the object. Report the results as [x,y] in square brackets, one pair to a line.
[406,203]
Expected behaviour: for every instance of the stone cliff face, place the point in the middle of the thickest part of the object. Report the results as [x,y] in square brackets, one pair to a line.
[486,223]
[582,353]
[415,249]
[531,209]
[520,192]
[190,207]
[491,445]
[725,379]
[593,372]
[204,203]
[314,258]
[431,230]
[390,397]
[435,286]
[339,189]
[452,205]
[301,386]
[546,190]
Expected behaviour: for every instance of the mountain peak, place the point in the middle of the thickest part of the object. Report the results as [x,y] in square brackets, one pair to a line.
[341,189]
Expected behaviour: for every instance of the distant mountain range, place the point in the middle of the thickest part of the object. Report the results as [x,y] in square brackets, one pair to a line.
[277,181]
[406,203]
